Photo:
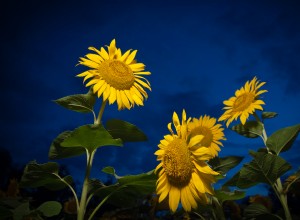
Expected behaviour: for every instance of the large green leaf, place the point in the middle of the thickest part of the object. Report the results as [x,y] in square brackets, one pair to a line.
[50,208]
[267,115]
[251,129]
[264,168]
[227,195]
[80,102]
[224,164]
[283,139]
[259,212]
[90,137]
[124,130]
[56,151]
[128,189]
[46,175]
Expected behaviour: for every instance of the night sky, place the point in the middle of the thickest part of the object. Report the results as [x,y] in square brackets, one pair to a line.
[199,53]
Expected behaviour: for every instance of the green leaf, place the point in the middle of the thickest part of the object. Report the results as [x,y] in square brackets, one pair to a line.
[50,208]
[90,137]
[111,171]
[124,130]
[224,164]
[46,175]
[267,115]
[251,129]
[129,189]
[56,151]
[259,212]
[283,139]
[264,168]
[83,103]
[21,211]
[5,213]
[226,195]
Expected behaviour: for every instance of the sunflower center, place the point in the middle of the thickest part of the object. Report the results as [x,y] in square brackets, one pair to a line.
[177,163]
[243,102]
[206,132]
[117,74]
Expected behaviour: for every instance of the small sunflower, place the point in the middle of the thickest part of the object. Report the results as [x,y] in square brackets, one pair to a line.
[211,131]
[115,76]
[245,102]
[183,174]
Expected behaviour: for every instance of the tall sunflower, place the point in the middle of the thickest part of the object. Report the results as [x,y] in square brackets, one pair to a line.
[245,102]
[183,174]
[211,131]
[115,76]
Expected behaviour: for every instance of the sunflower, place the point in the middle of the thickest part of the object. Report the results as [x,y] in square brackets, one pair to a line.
[245,102]
[115,76]
[211,131]
[183,174]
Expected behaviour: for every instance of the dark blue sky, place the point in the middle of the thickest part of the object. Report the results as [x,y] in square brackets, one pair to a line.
[199,53]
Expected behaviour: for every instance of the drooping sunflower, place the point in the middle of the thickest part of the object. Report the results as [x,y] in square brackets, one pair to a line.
[115,76]
[245,102]
[183,174]
[211,131]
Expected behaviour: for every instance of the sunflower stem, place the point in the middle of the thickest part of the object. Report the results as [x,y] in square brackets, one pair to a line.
[84,193]
[98,120]
[277,187]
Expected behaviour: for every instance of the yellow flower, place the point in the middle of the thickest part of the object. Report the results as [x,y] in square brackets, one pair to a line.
[115,76]
[183,174]
[211,131]
[245,102]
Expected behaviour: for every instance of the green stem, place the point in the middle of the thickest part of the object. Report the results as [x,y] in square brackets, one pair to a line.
[98,120]
[283,199]
[71,188]
[278,185]
[83,199]
[102,202]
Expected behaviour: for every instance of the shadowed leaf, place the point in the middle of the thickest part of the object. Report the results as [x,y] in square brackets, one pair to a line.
[125,131]
[46,175]
[267,115]
[283,139]
[224,164]
[251,129]
[50,208]
[264,168]
[226,195]
[56,151]
[259,212]
[83,103]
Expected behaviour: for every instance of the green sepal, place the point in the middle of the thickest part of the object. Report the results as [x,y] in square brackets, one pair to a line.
[128,189]
[90,137]
[56,151]
[83,103]
[283,139]
[259,212]
[223,195]
[125,131]
[50,208]
[46,175]
[251,129]
[224,164]
[264,168]
[267,115]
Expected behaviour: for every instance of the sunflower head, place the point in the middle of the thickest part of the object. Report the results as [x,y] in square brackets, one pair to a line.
[211,131]
[183,174]
[115,76]
[245,102]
